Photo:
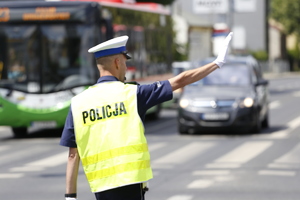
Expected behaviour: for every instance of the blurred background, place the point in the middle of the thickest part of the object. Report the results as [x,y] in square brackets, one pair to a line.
[232,135]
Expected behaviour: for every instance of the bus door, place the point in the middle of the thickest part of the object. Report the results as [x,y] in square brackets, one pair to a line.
[67,63]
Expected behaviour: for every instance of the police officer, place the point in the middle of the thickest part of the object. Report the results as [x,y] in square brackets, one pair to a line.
[104,128]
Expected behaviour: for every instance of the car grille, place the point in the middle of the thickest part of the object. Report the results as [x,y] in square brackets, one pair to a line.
[213,104]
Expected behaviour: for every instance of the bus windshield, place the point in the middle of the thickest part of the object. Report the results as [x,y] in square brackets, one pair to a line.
[47,58]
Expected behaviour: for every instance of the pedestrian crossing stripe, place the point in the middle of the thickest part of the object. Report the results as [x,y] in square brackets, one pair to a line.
[222,165]
[181,197]
[11,175]
[245,152]
[185,153]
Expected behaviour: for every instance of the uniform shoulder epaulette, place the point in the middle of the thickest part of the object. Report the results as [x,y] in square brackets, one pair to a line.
[132,83]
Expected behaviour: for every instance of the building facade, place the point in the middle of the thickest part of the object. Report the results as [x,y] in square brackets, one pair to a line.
[248,19]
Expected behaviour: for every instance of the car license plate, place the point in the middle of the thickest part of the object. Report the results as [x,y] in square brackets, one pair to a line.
[215,116]
[43,124]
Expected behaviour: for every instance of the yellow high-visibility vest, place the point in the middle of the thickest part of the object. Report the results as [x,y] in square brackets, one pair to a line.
[110,136]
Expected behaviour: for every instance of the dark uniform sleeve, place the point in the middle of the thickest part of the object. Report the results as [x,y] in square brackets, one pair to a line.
[153,94]
[68,134]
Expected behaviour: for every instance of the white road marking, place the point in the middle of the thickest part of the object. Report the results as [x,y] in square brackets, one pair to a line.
[27,169]
[185,153]
[41,164]
[223,178]
[276,173]
[211,172]
[28,152]
[278,134]
[3,148]
[200,184]
[294,123]
[10,175]
[155,146]
[181,197]
[284,133]
[223,165]
[284,166]
[296,94]
[274,105]
[245,152]
[52,161]
[290,160]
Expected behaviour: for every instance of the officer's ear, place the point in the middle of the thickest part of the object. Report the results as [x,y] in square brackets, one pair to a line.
[117,62]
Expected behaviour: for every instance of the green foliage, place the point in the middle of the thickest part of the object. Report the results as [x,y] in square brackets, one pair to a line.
[158,36]
[179,55]
[261,55]
[294,53]
[164,2]
[287,13]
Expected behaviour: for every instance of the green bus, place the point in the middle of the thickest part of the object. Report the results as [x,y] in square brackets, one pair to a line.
[44,59]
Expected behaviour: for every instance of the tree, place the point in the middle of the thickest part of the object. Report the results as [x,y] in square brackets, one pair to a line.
[164,2]
[287,13]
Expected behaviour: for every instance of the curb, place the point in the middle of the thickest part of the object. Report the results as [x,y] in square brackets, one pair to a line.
[281,75]
[160,77]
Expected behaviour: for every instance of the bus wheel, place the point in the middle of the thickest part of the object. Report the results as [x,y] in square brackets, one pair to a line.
[19,132]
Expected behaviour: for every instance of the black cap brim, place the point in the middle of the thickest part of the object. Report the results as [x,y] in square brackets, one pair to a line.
[125,53]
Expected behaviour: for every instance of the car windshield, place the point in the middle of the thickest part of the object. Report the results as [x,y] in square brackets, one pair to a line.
[228,75]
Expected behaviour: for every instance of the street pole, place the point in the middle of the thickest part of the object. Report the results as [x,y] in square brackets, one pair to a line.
[231,21]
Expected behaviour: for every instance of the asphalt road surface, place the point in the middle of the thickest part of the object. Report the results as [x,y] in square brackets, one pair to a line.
[214,166]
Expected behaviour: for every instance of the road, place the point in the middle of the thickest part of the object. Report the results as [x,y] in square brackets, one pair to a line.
[217,166]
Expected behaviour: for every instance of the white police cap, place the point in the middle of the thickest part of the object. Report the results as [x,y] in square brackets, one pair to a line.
[111,47]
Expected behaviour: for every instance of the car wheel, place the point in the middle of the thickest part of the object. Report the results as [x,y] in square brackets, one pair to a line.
[256,128]
[20,132]
[265,122]
[182,129]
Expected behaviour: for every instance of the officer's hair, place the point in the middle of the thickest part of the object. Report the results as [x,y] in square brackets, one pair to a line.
[106,62]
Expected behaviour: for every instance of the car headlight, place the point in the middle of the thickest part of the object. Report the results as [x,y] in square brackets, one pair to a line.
[184,103]
[247,102]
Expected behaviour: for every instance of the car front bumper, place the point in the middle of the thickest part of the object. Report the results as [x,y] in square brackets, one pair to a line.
[244,117]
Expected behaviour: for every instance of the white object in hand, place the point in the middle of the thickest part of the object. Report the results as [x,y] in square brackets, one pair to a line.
[221,59]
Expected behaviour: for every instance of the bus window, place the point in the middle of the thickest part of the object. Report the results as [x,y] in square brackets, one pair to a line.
[22,49]
[68,64]
[2,56]
[1,69]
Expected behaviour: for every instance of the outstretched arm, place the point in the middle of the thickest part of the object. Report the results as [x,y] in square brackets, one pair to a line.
[193,75]
[72,173]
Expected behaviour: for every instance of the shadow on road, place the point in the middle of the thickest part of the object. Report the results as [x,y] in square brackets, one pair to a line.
[44,133]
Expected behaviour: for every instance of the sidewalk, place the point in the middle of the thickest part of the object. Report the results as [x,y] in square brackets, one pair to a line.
[268,75]
[151,79]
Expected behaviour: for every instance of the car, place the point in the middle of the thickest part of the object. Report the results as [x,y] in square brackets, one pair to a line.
[235,97]
[177,68]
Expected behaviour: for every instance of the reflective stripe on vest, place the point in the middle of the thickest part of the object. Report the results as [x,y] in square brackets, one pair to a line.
[110,136]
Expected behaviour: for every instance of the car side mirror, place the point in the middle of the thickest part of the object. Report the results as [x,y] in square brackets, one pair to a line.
[262,82]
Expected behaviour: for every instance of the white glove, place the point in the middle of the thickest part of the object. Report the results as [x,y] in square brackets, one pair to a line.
[221,59]
[70,198]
